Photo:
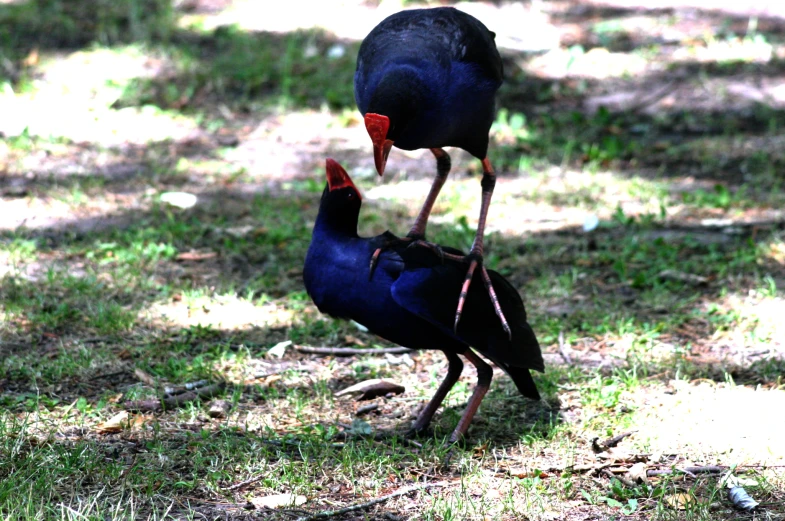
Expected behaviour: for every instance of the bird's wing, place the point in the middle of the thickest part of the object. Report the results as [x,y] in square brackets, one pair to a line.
[430,289]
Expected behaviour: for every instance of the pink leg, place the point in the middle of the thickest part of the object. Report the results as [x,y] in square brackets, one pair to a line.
[484,376]
[442,170]
[453,373]
[417,233]
[475,256]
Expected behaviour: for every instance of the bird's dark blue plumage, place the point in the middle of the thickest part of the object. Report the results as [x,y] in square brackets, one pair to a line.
[434,73]
[409,299]
[427,78]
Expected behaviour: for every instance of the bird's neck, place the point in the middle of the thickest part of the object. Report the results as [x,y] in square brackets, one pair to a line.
[336,224]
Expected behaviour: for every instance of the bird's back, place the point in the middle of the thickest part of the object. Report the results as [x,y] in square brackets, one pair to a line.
[336,276]
[440,35]
[450,59]
[429,289]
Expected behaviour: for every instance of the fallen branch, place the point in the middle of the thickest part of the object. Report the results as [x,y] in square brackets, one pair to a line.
[175,401]
[351,351]
[362,506]
[709,469]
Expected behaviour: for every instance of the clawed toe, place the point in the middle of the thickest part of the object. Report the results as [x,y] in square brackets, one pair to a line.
[475,260]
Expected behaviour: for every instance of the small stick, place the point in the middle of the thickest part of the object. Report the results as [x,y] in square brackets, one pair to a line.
[365,409]
[563,349]
[709,469]
[612,442]
[175,401]
[351,351]
[610,475]
[190,386]
[244,483]
[362,506]
[262,374]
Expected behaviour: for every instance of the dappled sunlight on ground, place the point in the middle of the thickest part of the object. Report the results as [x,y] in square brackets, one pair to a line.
[218,312]
[659,128]
[72,95]
[710,423]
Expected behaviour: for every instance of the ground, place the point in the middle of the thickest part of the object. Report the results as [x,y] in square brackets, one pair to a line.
[662,123]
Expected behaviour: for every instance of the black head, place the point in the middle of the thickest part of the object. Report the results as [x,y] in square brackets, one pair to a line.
[341,201]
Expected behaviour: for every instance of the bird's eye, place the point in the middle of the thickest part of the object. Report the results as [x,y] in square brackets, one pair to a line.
[350,195]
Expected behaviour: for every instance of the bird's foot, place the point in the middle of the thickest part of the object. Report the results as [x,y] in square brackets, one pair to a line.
[390,241]
[475,260]
[411,240]
[419,432]
[421,242]
[456,445]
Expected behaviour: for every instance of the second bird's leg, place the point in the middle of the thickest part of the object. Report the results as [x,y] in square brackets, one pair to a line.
[416,235]
[443,165]
[475,257]
[453,373]
[484,376]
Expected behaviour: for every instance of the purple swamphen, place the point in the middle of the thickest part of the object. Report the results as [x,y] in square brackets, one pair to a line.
[427,78]
[407,300]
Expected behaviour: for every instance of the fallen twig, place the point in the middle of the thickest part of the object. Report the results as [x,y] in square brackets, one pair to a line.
[175,401]
[244,483]
[370,389]
[610,475]
[610,442]
[171,390]
[709,469]
[351,351]
[362,506]
[563,349]
[365,409]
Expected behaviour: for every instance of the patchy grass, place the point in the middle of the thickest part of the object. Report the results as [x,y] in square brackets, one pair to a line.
[669,310]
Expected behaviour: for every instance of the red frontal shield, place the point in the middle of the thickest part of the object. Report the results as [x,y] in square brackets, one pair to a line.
[377,126]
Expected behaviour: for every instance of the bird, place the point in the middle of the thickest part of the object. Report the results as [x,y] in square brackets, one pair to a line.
[427,78]
[406,300]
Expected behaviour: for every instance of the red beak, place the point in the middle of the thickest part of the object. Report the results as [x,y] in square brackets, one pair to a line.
[337,177]
[377,126]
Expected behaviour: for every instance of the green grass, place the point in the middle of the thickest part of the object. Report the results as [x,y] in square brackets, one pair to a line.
[109,295]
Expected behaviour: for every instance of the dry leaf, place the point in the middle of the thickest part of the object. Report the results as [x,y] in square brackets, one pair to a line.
[372,388]
[196,255]
[145,377]
[139,421]
[349,339]
[277,500]
[679,501]
[182,200]
[480,450]
[680,276]
[278,349]
[637,473]
[31,59]
[219,409]
[731,481]
[114,424]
